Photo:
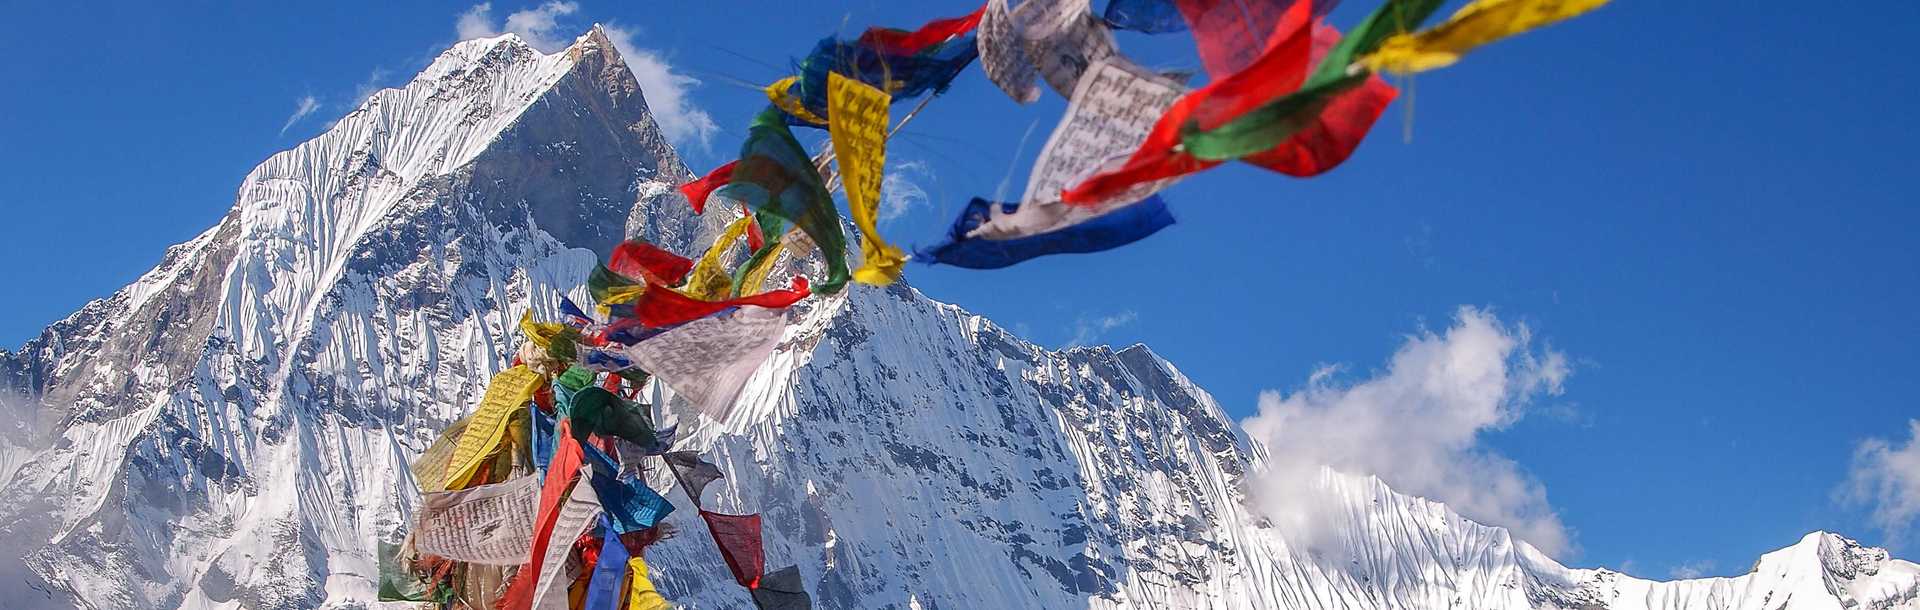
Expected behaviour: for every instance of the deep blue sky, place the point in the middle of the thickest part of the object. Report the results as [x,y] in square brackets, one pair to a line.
[1708,208]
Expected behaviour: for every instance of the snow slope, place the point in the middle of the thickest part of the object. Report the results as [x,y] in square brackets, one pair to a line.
[230,431]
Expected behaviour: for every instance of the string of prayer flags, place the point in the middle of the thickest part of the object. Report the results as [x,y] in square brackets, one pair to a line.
[902,42]
[1119,227]
[782,95]
[708,361]
[1479,23]
[738,537]
[1113,109]
[778,181]
[709,280]
[629,504]
[886,61]
[697,190]
[859,132]
[1276,72]
[663,307]
[1271,125]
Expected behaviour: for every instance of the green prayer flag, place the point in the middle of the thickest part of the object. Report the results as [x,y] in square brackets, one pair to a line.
[778,181]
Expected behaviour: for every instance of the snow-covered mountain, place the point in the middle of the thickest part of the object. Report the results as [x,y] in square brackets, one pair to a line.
[232,429]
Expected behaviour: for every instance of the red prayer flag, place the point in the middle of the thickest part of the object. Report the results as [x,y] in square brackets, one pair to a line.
[642,260]
[561,474]
[1231,34]
[662,306]
[1277,72]
[901,42]
[738,537]
[698,190]
[1333,135]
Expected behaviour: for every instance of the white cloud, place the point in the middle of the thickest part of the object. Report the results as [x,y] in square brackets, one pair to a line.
[1691,569]
[304,108]
[900,190]
[666,92]
[477,22]
[1886,479]
[1417,425]
[1088,329]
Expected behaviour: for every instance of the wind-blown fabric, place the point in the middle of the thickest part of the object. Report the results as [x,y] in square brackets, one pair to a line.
[484,524]
[1063,39]
[555,523]
[709,280]
[904,64]
[662,306]
[778,181]
[1113,110]
[692,473]
[1478,23]
[709,360]
[430,469]
[783,97]
[738,537]
[902,42]
[1145,16]
[640,592]
[1003,57]
[859,131]
[1319,126]
[1119,227]
[782,590]
[506,393]
[606,587]
[629,503]
[644,261]
[697,190]
[1275,122]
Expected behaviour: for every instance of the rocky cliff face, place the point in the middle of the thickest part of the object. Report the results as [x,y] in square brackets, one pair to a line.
[232,429]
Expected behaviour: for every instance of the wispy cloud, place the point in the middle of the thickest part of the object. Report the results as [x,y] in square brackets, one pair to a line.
[665,88]
[1088,329]
[538,26]
[900,190]
[304,108]
[1885,478]
[1418,426]
[375,81]
[1691,569]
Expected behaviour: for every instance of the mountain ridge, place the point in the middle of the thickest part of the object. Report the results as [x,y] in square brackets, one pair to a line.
[231,429]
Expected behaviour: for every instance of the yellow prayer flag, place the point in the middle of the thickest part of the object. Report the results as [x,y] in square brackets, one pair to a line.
[540,333]
[859,131]
[507,393]
[709,280]
[640,592]
[756,278]
[1478,23]
[779,93]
